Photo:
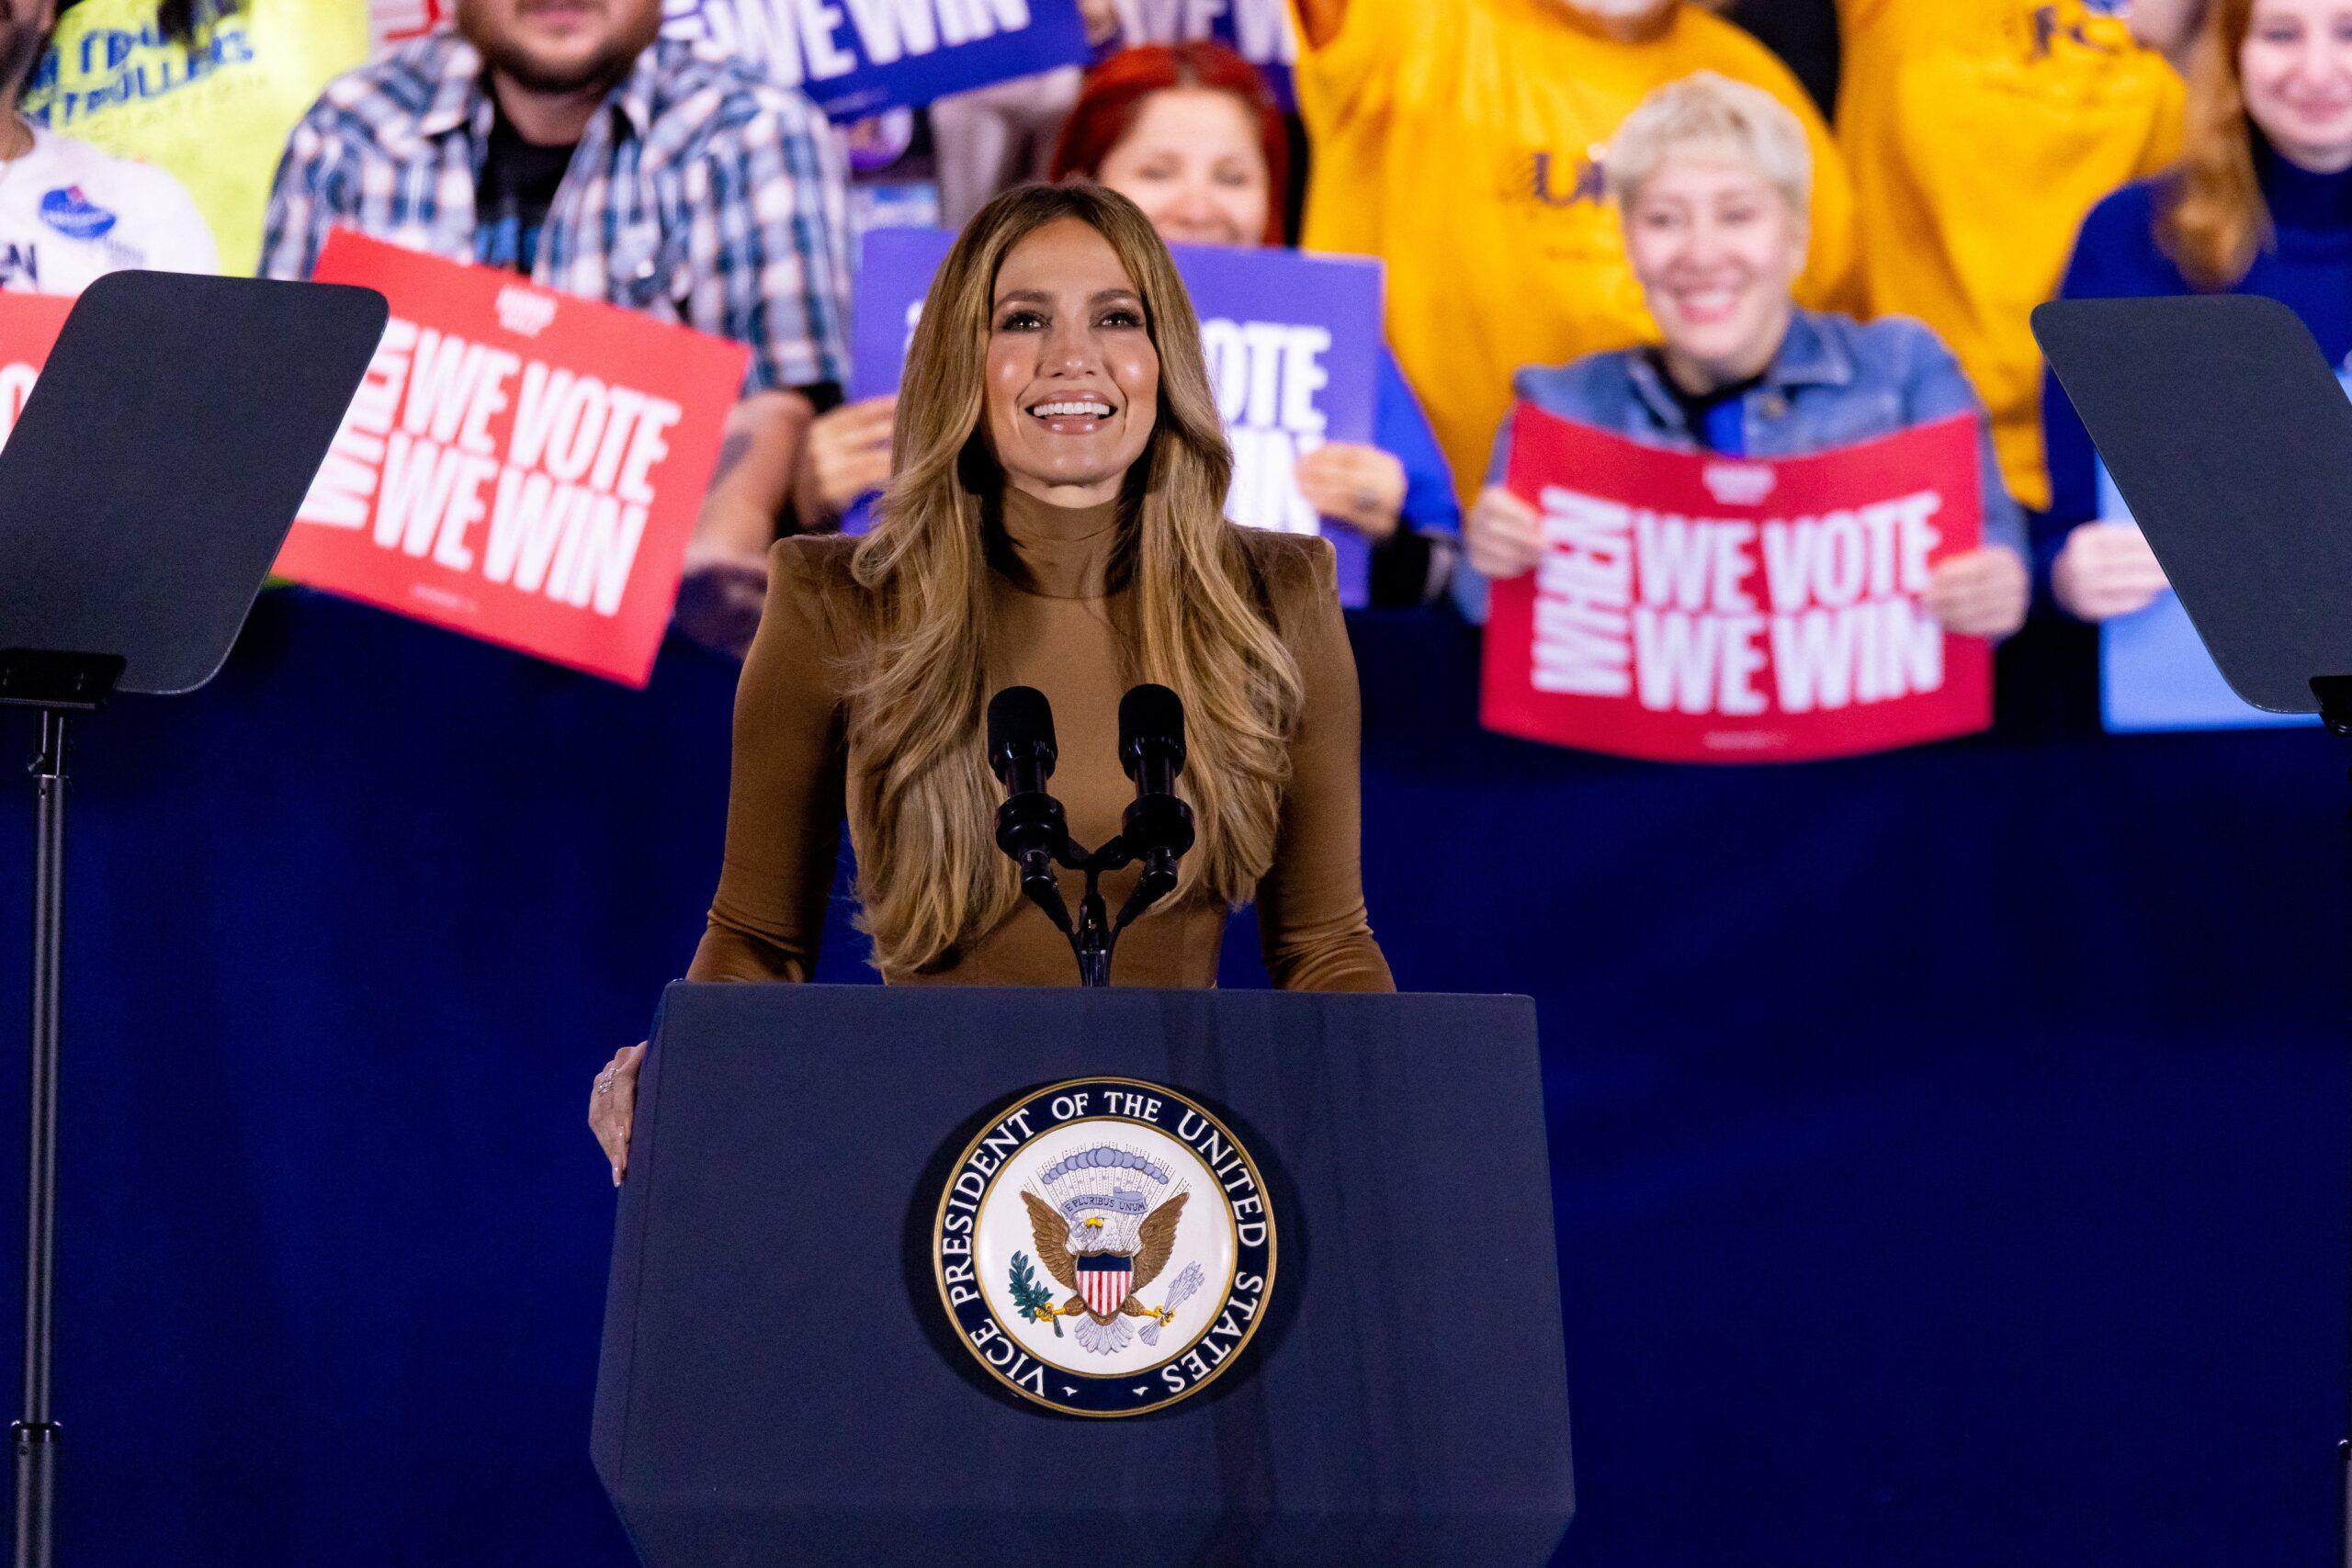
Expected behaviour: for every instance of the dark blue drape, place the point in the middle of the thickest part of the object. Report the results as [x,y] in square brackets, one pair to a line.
[1949,1146]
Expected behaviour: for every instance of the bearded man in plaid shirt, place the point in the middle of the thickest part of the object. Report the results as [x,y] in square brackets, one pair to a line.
[567,140]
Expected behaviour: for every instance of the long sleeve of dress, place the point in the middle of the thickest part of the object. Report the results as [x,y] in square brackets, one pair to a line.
[1311,920]
[784,798]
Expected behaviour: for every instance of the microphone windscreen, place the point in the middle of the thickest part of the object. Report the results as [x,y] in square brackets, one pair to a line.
[1021,721]
[1150,715]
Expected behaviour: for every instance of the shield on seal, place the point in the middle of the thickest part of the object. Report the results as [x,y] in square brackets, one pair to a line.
[1102,1280]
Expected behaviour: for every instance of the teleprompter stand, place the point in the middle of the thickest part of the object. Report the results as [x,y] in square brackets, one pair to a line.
[144,492]
[2231,439]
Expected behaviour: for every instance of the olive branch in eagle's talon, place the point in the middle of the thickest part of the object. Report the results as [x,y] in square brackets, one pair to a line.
[1034,1300]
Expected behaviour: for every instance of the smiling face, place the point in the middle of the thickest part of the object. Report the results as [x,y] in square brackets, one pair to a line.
[2297,67]
[1193,162]
[560,46]
[1073,378]
[1716,247]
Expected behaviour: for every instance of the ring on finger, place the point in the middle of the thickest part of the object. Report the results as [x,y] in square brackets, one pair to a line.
[604,1081]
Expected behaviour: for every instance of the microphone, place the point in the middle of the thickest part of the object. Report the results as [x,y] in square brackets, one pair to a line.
[1158,828]
[1029,825]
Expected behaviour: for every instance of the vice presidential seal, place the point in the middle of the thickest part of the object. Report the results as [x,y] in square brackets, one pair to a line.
[1105,1247]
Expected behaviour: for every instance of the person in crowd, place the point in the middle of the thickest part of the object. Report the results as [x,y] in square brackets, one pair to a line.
[1259,31]
[1190,134]
[205,90]
[1052,520]
[575,146]
[1456,143]
[1712,176]
[69,213]
[1979,135]
[2261,203]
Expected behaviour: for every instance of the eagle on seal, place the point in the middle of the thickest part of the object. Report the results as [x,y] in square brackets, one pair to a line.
[1103,1265]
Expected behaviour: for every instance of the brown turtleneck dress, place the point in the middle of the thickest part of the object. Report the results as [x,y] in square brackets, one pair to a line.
[1054,625]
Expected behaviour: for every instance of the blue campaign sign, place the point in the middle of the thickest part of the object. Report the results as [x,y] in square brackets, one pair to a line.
[1292,344]
[2154,674]
[859,57]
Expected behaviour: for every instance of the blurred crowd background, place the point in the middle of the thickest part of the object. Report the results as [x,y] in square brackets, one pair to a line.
[1804,167]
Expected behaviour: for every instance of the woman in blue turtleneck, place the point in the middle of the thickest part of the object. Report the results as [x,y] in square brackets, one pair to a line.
[2261,203]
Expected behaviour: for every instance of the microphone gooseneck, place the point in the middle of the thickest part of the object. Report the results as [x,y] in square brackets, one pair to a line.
[1032,827]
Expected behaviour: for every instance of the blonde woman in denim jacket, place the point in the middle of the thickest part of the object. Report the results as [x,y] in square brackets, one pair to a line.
[1711,178]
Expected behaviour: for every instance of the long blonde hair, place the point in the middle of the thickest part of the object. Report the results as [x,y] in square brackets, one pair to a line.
[2212,218]
[931,877]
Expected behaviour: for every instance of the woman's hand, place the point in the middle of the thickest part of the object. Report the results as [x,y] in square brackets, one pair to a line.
[2105,570]
[1503,534]
[1362,487]
[845,453]
[1980,592]
[611,1107]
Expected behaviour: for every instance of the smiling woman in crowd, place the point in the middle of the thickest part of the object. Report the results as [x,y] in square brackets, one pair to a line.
[1712,178]
[2261,203]
[1052,520]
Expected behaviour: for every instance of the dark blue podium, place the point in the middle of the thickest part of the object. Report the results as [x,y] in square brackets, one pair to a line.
[781,1384]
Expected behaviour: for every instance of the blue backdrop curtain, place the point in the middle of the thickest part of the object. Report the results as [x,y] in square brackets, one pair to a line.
[1949,1146]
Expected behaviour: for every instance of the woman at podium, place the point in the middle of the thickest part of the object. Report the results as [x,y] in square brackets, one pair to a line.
[1054,519]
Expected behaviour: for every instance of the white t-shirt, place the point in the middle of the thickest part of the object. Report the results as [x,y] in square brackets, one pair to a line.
[69,213]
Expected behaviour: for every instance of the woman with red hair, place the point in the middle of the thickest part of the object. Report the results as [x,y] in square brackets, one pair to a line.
[1189,133]
[2260,203]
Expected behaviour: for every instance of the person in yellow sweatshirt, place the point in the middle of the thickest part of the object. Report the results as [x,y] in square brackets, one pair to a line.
[1980,132]
[203,89]
[1460,143]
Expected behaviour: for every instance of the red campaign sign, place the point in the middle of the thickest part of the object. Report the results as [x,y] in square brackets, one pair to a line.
[1695,608]
[28,327]
[521,465]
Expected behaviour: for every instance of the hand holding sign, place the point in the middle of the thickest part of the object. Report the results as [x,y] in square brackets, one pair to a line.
[1350,483]
[1502,535]
[2105,570]
[847,455]
[1979,592]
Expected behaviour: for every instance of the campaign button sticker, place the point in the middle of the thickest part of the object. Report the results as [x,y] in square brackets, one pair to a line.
[74,215]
